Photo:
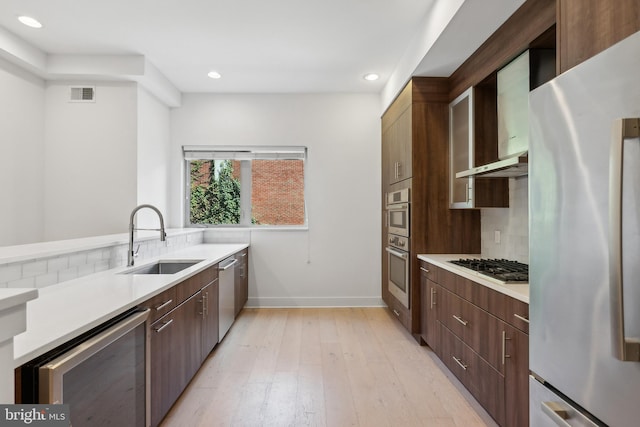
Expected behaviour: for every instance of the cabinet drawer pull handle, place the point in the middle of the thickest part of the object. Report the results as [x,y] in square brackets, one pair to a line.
[163,305]
[459,362]
[459,319]
[433,297]
[396,312]
[504,347]
[203,300]
[424,269]
[164,325]
[227,266]
[524,319]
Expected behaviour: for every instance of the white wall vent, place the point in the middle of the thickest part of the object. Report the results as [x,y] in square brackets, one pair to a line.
[82,94]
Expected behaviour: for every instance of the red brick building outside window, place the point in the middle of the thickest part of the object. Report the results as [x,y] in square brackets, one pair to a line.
[277,195]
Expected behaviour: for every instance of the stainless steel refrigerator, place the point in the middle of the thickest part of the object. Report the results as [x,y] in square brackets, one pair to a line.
[585,243]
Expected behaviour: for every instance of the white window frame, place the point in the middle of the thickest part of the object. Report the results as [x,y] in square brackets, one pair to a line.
[242,153]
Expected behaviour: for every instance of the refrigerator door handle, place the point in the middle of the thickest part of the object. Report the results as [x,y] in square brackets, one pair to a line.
[556,412]
[624,348]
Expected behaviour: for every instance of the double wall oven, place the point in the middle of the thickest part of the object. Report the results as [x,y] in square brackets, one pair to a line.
[398,256]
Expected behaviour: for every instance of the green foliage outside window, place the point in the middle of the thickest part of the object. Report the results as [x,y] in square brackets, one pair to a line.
[215,193]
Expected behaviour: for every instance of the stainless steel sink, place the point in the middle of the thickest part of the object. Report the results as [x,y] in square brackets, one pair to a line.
[163,267]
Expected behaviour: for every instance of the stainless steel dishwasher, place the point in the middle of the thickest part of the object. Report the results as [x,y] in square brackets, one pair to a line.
[226,300]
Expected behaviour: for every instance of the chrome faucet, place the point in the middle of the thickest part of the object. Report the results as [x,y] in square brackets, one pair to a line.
[132,228]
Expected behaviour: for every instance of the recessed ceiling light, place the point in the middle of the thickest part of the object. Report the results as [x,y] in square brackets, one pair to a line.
[371,77]
[29,21]
[214,74]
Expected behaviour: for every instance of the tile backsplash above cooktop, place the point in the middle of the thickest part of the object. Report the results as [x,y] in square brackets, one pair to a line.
[511,222]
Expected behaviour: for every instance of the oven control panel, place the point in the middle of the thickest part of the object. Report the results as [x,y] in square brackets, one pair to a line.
[399,242]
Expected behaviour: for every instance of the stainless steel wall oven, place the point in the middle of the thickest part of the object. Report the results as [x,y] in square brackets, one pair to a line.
[398,253]
[398,212]
[399,262]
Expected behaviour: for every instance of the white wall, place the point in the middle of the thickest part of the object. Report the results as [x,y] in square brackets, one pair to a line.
[335,262]
[21,155]
[90,169]
[153,158]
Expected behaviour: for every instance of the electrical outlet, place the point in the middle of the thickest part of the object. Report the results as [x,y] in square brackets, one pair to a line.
[496,237]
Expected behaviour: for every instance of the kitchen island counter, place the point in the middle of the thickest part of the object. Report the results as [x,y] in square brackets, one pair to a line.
[68,309]
[518,291]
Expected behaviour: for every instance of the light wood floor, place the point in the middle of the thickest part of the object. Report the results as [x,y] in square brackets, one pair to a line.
[329,367]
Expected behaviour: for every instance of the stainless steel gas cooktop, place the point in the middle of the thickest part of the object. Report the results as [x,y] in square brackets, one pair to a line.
[500,269]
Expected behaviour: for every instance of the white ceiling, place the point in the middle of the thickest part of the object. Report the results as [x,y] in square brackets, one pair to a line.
[266,46]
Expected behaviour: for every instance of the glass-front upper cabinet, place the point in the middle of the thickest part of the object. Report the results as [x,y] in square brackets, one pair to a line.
[461,145]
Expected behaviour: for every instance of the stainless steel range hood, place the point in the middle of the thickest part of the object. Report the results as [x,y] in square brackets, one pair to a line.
[517,165]
[528,71]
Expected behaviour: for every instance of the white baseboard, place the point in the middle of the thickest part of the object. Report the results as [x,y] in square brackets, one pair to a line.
[289,302]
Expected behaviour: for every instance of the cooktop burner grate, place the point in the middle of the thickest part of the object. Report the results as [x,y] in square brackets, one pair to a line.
[500,269]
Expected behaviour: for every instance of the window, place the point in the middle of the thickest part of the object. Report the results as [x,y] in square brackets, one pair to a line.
[245,186]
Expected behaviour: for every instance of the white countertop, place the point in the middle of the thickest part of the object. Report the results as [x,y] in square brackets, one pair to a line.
[518,291]
[12,297]
[68,309]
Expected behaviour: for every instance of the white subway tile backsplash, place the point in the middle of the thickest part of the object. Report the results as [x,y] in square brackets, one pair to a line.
[34,268]
[101,266]
[77,259]
[48,271]
[513,223]
[10,272]
[46,280]
[57,264]
[68,274]
[29,282]
[94,256]
[86,269]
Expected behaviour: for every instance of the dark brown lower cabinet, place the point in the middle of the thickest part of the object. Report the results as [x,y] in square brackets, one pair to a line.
[182,339]
[485,383]
[517,376]
[241,284]
[163,384]
[430,304]
[176,354]
[401,312]
[209,312]
[481,338]
[189,343]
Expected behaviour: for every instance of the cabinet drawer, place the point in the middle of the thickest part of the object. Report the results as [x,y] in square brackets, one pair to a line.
[431,271]
[504,307]
[451,309]
[161,304]
[452,352]
[475,327]
[485,383]
[447,279]
[399,311]
[194,283]
[517,314]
